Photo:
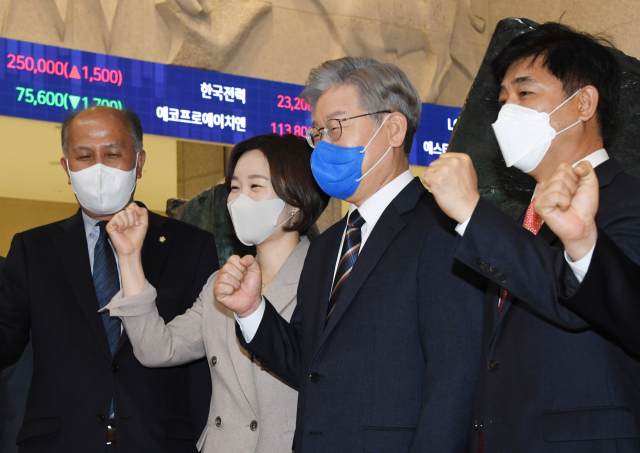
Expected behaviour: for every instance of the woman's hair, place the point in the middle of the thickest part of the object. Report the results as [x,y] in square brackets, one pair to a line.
[289,159]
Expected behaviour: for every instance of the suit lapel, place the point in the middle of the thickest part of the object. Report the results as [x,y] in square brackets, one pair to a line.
[325,270]
[71,246]
[242,363]
[383,233]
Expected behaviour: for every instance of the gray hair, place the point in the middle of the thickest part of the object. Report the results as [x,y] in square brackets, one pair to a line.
[381,86]
[129,118]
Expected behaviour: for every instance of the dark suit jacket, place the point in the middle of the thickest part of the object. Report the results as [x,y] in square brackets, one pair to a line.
[609,295]
[550,381]
[14,387]
[395,368]
[46,288]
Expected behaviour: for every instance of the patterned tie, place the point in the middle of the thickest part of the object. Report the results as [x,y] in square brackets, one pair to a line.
[107,284]
[350,249]
[533,223]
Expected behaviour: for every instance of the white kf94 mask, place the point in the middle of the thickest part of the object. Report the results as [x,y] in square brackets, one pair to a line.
[254,221]
[525,135]
[103,190]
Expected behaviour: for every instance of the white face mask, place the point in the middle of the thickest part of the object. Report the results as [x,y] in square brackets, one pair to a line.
[525,135]
[254,221]
[103,190]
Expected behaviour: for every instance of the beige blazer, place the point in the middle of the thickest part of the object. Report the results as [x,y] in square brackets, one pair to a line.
[251,410]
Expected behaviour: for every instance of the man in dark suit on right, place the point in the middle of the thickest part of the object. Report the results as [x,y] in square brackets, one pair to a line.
[384,342]
[550,380]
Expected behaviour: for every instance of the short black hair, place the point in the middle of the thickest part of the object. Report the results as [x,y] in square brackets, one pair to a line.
[289,159]
[577,59]
[129,118]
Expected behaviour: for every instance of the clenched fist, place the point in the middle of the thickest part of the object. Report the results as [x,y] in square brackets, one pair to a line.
[127,230]
[238,285]
[568,203]
[454,184]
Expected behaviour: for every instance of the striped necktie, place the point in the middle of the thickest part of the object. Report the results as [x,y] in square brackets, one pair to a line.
[107,285]
[350,250]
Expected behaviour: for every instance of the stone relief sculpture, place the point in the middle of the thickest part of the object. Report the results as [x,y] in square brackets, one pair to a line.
[205,33]
[424,38]
[439,43]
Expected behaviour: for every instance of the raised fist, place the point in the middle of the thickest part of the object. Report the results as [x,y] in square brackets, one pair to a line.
[238,285]
[127,230]
[568,203]
[453,182]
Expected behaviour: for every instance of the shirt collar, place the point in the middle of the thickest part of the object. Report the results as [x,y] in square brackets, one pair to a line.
[89,223]
[372,209]
[595,159]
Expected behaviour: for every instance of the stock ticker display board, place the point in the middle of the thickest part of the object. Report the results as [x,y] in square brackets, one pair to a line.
[47,83]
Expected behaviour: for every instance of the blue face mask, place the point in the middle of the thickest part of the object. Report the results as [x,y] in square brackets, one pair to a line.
[338,170]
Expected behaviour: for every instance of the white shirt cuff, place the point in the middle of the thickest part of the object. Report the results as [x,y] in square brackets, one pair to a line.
[460,229]
[249,325]
[581,266]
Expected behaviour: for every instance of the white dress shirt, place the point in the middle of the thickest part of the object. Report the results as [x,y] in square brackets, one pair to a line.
[581,266]
[370,210]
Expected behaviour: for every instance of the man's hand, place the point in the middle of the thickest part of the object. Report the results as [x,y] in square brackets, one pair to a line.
[239,284]
[568,203]
[127,230]
[453,181]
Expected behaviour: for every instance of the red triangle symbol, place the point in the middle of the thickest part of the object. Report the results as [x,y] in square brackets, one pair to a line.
[74,73]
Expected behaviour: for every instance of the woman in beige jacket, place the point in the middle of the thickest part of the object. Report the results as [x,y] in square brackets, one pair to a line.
[273,197]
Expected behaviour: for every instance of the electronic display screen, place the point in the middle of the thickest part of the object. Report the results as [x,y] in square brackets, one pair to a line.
[47,83]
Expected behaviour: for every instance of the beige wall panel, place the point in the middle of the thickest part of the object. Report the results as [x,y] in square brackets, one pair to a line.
[20,215]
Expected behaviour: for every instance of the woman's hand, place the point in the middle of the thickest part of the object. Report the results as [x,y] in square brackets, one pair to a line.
[238,285]
[127,230]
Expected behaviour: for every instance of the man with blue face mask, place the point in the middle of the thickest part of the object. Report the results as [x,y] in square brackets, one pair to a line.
[88,391]
[550,379]
[384,342]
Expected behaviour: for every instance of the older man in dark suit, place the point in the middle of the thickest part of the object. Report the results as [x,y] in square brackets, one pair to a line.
[384,342]
[550,379]
[89,393]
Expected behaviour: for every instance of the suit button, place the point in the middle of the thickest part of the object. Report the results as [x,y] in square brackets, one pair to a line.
[114,368]
[101,418]
[214,360]
[485,267]
[478,262]
[493,365]
[253,425]
[502,278]
[314,377]
[494,272]
[218,422]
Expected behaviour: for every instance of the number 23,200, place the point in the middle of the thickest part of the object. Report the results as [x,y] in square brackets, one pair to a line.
[297,103]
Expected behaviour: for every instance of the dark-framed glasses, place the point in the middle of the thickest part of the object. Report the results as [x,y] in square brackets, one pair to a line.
[332,128]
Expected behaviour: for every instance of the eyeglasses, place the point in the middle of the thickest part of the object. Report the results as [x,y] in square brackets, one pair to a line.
[332,128]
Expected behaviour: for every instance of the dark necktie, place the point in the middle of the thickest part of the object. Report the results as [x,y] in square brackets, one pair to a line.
[107,285]
[350,250]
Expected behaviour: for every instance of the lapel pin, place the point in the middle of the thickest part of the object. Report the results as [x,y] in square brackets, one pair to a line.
[162,239]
